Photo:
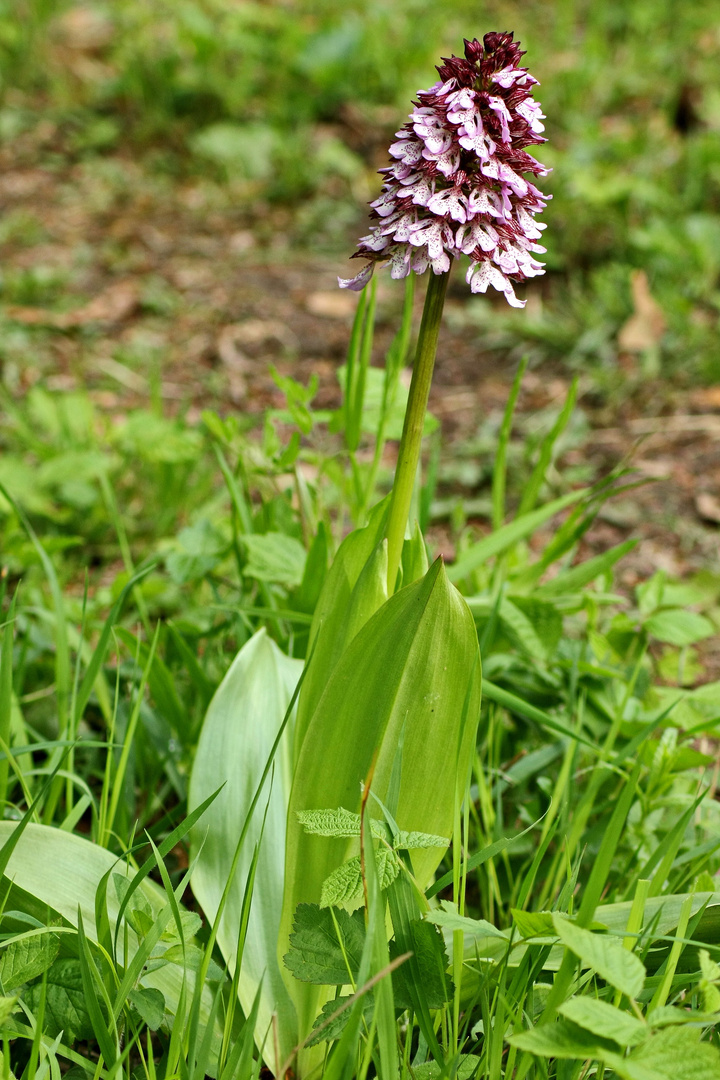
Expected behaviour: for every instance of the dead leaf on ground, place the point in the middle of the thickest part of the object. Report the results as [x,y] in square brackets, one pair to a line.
[331,305]
[112,305]
[647,324]
[706,397]
[708,506]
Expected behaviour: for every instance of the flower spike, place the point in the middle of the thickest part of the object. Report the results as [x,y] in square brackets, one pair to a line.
[454,185]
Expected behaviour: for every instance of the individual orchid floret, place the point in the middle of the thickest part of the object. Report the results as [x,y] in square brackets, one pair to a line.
[455,183]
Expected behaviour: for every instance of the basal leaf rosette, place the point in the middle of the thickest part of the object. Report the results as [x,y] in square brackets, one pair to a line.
[455,186]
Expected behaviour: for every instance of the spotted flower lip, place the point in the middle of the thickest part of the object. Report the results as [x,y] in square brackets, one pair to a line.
[455,184]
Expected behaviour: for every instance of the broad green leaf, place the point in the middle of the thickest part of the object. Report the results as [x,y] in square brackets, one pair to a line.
[534,923]
[604,1019]
[150,1004]
[679,627]
[563,1040]
[274,557]
[317,954]
[410,677]
[431,958]
[675,1053]
[414,560]
[59,872]
[344,887]
[605,955]
[480,938]
[330,625]
[25,958]
[237,736]
[65,1008]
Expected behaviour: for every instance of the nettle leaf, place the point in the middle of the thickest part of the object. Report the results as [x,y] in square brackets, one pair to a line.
[676,1053]
[429,948]
[605,955]
[563,1040]
[26,958]
[335,1029]
[604,1019]
[317,954]
[415,840]
[149,1004]
[344,823]
[344,887]
[340,822]
[65,1008]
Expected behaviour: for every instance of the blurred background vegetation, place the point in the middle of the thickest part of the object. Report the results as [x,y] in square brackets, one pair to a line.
[290,104]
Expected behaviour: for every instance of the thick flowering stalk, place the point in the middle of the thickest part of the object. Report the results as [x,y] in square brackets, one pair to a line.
[455,185]
[455,188]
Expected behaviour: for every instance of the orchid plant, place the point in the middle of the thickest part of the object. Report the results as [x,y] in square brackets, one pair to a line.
[392,684]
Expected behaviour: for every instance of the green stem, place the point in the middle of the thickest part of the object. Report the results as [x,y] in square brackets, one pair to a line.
[410,443]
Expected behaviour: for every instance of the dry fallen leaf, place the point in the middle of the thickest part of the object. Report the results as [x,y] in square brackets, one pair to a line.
[708,506]
[706,397]
[647,324]
[112,305]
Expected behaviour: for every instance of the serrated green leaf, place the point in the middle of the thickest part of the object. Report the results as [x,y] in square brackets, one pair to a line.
[563,1040]
[150,1005]
[605,955]
[335,1029]
[340,822]
[7,1008]
[344,887]
[675,1053]
[604,1019]
[24,959]
[417,840]
[316,955]
[65,1008]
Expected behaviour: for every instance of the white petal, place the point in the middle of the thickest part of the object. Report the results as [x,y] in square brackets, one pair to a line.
[357,283]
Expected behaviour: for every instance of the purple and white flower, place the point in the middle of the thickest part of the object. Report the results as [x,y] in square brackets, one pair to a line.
[455,183]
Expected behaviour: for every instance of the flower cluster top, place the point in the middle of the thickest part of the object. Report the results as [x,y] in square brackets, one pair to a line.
[455,185]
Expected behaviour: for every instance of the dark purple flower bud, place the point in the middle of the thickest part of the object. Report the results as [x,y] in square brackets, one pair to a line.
[455,184]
